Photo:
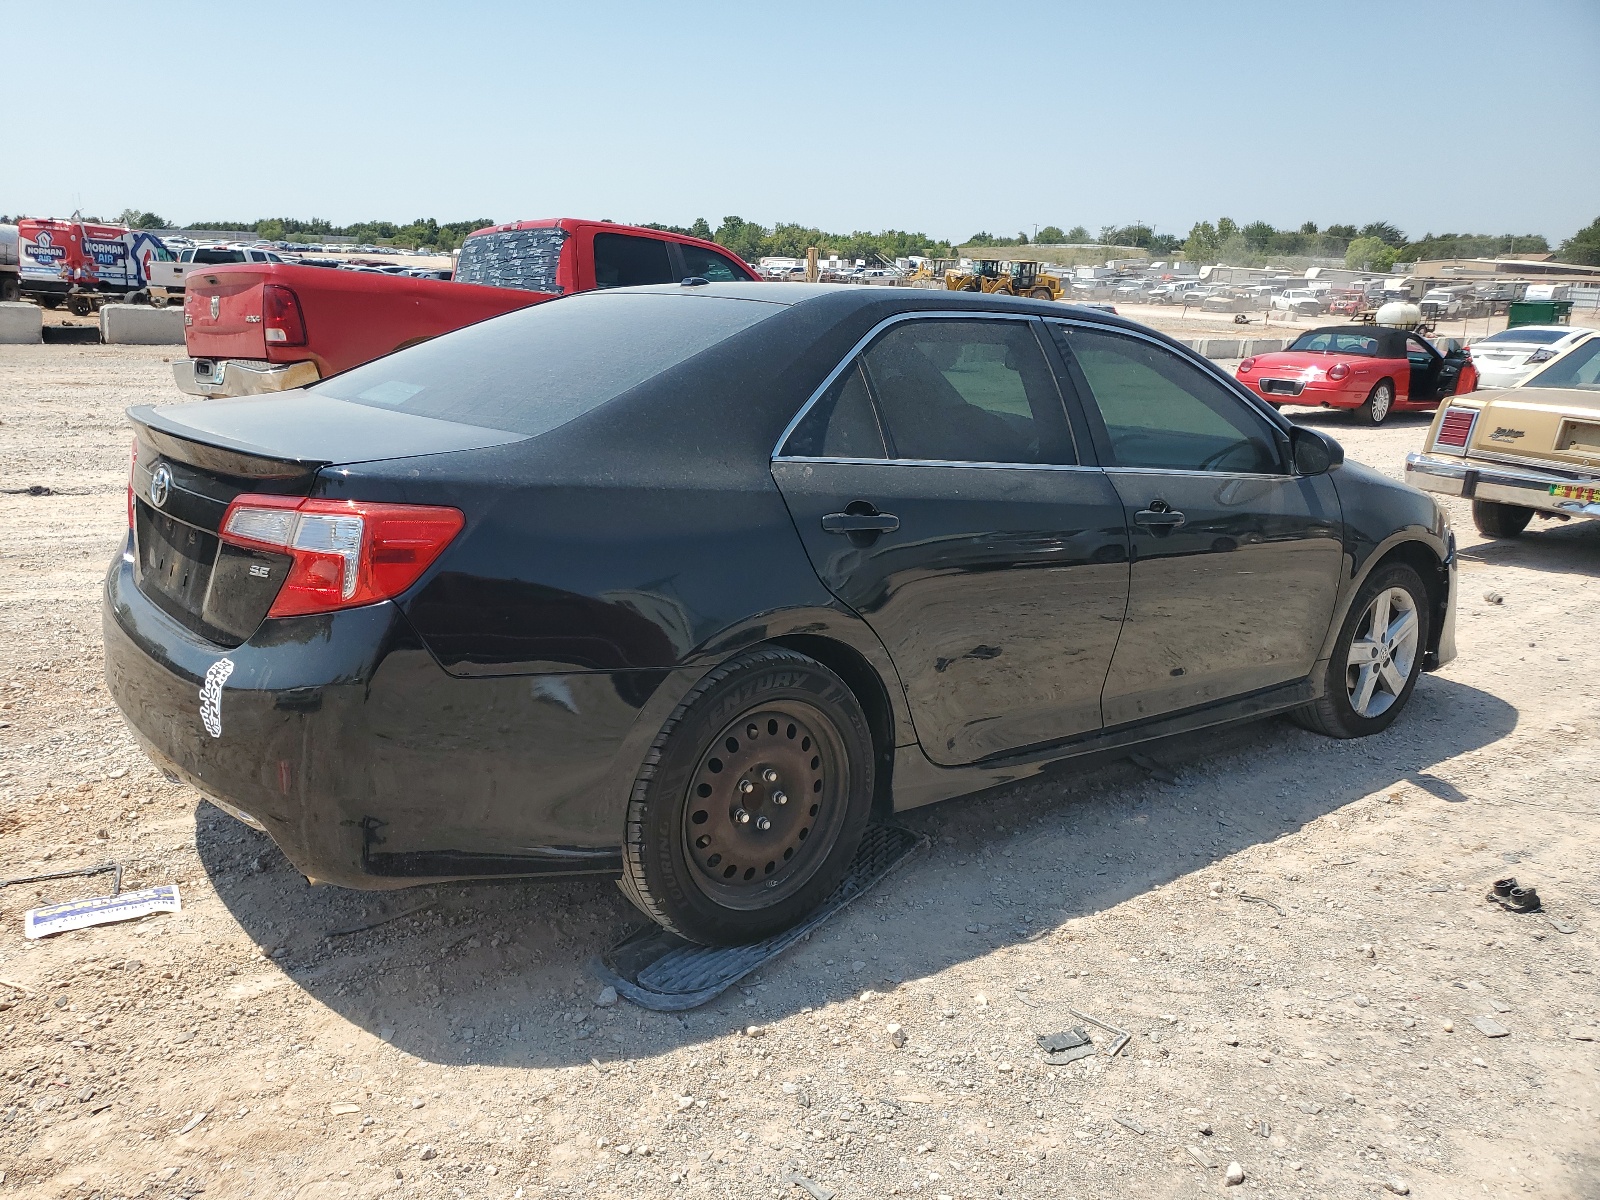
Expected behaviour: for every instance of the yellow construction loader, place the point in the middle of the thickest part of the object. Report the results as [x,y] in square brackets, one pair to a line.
[1006,279]
[984,275]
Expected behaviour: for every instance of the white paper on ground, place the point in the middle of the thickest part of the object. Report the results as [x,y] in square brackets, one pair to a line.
[100,910]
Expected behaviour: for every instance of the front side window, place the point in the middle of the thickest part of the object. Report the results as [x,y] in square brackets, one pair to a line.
[622,260]
[1164,413]
[1336,341]
[710,265]
[967,391]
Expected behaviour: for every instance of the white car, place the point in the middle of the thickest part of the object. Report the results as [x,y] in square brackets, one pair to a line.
[1505,359]
[1299,300]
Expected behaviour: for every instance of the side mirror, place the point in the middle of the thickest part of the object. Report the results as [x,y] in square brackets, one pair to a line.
[1314,451]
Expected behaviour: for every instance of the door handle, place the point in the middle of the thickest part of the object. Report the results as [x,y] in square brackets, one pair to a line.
[849,522]
[1158,518]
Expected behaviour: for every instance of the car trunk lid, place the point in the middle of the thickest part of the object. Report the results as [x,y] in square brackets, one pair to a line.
[192,461]
[1560,426]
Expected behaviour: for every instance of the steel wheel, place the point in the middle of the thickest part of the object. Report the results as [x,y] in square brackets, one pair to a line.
[1383,653]
[764,804]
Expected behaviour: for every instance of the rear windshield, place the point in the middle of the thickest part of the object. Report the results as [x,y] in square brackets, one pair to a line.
[218,256]
[1328,341]
[532,370]
[513,258]
[1529,337]
[1577,369]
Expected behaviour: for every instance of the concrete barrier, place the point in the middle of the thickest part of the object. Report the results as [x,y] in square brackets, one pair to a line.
[21,324]
[1256,346]
[1219,347]
[141,325]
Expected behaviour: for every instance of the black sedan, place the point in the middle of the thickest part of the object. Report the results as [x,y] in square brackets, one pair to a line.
[686,585]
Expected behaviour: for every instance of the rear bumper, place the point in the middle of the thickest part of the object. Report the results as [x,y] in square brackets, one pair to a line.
[369,766]
[1525,487]
[1313,393]
[240,377]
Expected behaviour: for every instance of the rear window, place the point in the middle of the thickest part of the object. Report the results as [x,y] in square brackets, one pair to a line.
[513,258]
[214,257]
[533,370]
[1578,369]
[1529,337]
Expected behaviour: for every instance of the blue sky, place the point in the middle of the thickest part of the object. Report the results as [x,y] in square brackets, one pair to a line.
[940,117]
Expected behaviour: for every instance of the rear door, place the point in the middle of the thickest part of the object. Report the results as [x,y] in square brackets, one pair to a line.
[1236,561]
[937,488]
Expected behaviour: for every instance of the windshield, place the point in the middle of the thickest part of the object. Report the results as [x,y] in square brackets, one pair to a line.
[1579,369]
[217,257]
[1332,341]
[525,259]
[532,370]
[1529,337]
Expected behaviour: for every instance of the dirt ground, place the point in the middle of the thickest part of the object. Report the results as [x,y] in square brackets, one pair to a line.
[1294,931]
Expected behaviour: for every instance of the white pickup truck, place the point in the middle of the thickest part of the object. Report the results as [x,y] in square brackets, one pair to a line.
[168,276]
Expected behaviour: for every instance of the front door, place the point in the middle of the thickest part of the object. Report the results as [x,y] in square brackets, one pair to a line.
[937,489]
[1236,561]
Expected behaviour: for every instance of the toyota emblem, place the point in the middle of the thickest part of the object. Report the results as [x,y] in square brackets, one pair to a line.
[160,485]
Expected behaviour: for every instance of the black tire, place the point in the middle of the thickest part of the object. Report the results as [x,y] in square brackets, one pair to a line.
[80,306]
[1375,409]
[48,301]
[1334,715]
[1040,293]
[1497,520]
[785,721]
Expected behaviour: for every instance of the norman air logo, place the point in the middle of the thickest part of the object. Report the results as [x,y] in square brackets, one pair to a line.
[1503,434]
[211,696]
[44,249]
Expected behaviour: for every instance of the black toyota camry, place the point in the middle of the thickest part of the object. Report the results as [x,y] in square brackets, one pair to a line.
[687,585]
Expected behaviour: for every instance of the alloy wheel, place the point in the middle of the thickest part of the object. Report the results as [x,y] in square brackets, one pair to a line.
[765,804]
[1382,400]
[1382,653]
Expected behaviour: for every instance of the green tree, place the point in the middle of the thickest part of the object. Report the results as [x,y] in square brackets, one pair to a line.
[1202,244]
[270,228]
[134,219]
[1583,247]
[1308,227]
[1370,254]
[1226,229]
[1050,235]
[1344,232]
[1384,232]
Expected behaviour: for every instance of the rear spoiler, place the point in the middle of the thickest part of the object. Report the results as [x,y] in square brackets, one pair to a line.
[214,451]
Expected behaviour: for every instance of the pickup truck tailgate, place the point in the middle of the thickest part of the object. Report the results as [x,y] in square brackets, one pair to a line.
[222,313]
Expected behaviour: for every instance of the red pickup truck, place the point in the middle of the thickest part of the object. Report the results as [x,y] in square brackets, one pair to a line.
[266,327]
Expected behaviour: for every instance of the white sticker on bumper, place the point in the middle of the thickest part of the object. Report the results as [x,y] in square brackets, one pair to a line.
[211,696]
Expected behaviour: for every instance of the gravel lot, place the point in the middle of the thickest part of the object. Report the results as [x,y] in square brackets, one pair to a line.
[1324,1042]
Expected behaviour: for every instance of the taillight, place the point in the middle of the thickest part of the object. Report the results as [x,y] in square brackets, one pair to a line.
[346,552]
[1248,364]
[280,312]
[1455,428]
[1338,371]
[131,466]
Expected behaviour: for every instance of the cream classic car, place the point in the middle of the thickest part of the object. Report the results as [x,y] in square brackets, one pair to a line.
[1533,449]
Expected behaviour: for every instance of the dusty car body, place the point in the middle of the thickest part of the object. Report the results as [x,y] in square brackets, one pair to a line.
[1520,452]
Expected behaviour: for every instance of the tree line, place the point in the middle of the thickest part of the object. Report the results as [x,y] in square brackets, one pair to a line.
[1376,246]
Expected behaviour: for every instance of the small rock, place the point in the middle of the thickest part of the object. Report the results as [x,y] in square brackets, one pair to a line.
[790,1089]
[1234,1175]
[1494,597]
[1489,1027]
[1205,1129]
[1582,1035]
[1200,1157]
[755,1031]
[858,966]
[386,1033]
[1361,1001]
[897,1036]
[344,1110]
[1296,1165]
[606,998]
[1449,1026]
[1397,1185]
[426,1153]
[868,996]
[1230,1041]
[418,1102]
[1005,1068]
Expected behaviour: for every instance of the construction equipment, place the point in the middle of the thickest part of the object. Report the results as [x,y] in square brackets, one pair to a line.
[1006,279]
[985,275]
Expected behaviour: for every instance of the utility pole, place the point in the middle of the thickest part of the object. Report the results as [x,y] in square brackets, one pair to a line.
[812,274]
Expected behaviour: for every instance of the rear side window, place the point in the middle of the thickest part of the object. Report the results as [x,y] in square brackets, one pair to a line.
[621,260]
[532,370]
[1163,413]
[967,391]
[525,259]
[710,265]
[841,424]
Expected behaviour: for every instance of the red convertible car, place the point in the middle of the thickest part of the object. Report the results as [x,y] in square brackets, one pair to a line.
[1371,369]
